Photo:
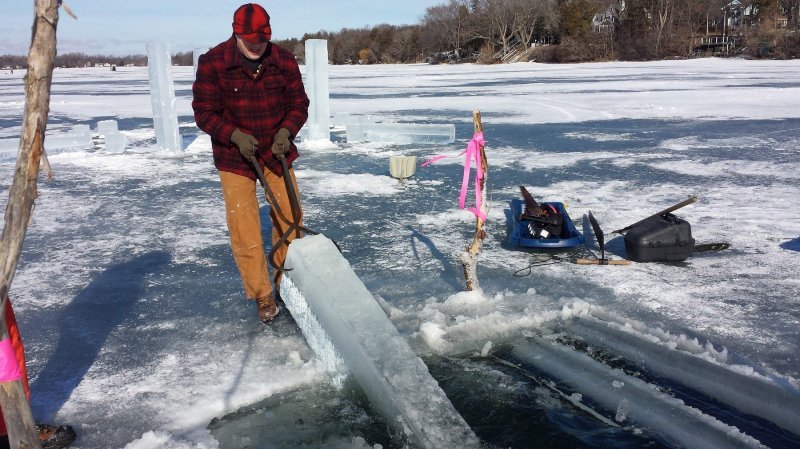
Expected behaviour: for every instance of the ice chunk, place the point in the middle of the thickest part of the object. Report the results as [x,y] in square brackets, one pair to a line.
[397,382]
[107,127]
[79,138]
[319,120]
[115,142]
[402,133]
[162,96]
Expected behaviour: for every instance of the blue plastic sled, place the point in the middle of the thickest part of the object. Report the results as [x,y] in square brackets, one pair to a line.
[569,238]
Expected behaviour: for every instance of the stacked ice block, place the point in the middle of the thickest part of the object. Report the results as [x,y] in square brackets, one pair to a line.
[115,140]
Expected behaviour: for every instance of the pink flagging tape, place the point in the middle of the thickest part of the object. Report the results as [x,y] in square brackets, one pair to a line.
[9,368]
[473,152]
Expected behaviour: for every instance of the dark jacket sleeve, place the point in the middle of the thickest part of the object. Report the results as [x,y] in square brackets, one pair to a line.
[207,102]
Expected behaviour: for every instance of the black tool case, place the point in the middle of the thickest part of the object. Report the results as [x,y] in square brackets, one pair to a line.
[665,238]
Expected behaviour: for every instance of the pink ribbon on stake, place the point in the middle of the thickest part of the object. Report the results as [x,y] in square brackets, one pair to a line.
[9,368]
[473,151]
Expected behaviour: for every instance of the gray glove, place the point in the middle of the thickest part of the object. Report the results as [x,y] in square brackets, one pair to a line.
[247,144]
[281,143]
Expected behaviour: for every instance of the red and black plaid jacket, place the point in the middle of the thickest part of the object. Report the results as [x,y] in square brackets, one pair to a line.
[226,97]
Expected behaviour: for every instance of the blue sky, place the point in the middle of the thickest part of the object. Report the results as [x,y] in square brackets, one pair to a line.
[117,27]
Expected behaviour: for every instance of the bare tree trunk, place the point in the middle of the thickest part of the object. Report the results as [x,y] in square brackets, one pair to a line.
[16,410]
[469,258]
[664,16]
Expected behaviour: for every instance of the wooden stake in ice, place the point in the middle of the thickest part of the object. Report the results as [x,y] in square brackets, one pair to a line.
[469,258]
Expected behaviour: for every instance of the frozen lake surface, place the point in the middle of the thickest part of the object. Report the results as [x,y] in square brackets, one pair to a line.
[138,334]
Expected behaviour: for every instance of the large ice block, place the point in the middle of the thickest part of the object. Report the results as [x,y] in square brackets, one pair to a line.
[114,140]
[319,111]
[107,127]
[79,138]
[401,133]
[162,96]
[347,326]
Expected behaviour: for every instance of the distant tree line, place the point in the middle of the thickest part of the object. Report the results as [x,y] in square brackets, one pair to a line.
[84,60]
[490,31]
[572,30]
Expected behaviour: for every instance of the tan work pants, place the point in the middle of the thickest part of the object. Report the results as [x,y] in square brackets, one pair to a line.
[244,226]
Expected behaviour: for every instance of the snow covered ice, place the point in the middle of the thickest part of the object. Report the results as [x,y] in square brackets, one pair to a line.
[138,334]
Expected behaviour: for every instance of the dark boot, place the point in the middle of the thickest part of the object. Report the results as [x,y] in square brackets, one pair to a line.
[267,309]
[55,437]
[50,437]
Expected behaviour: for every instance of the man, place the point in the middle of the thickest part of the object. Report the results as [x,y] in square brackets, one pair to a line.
[249,97]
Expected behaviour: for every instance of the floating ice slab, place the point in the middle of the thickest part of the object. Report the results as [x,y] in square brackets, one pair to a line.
[634,400]
[401,133]
[162,96]
[319,111]
[345,325]
[756,395]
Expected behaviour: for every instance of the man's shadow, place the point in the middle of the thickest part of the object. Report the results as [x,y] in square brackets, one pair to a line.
[85,324]
[447,268]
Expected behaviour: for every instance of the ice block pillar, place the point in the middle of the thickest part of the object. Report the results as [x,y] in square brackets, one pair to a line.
[319,112]
[345,326]
[196,57]
[162,96]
